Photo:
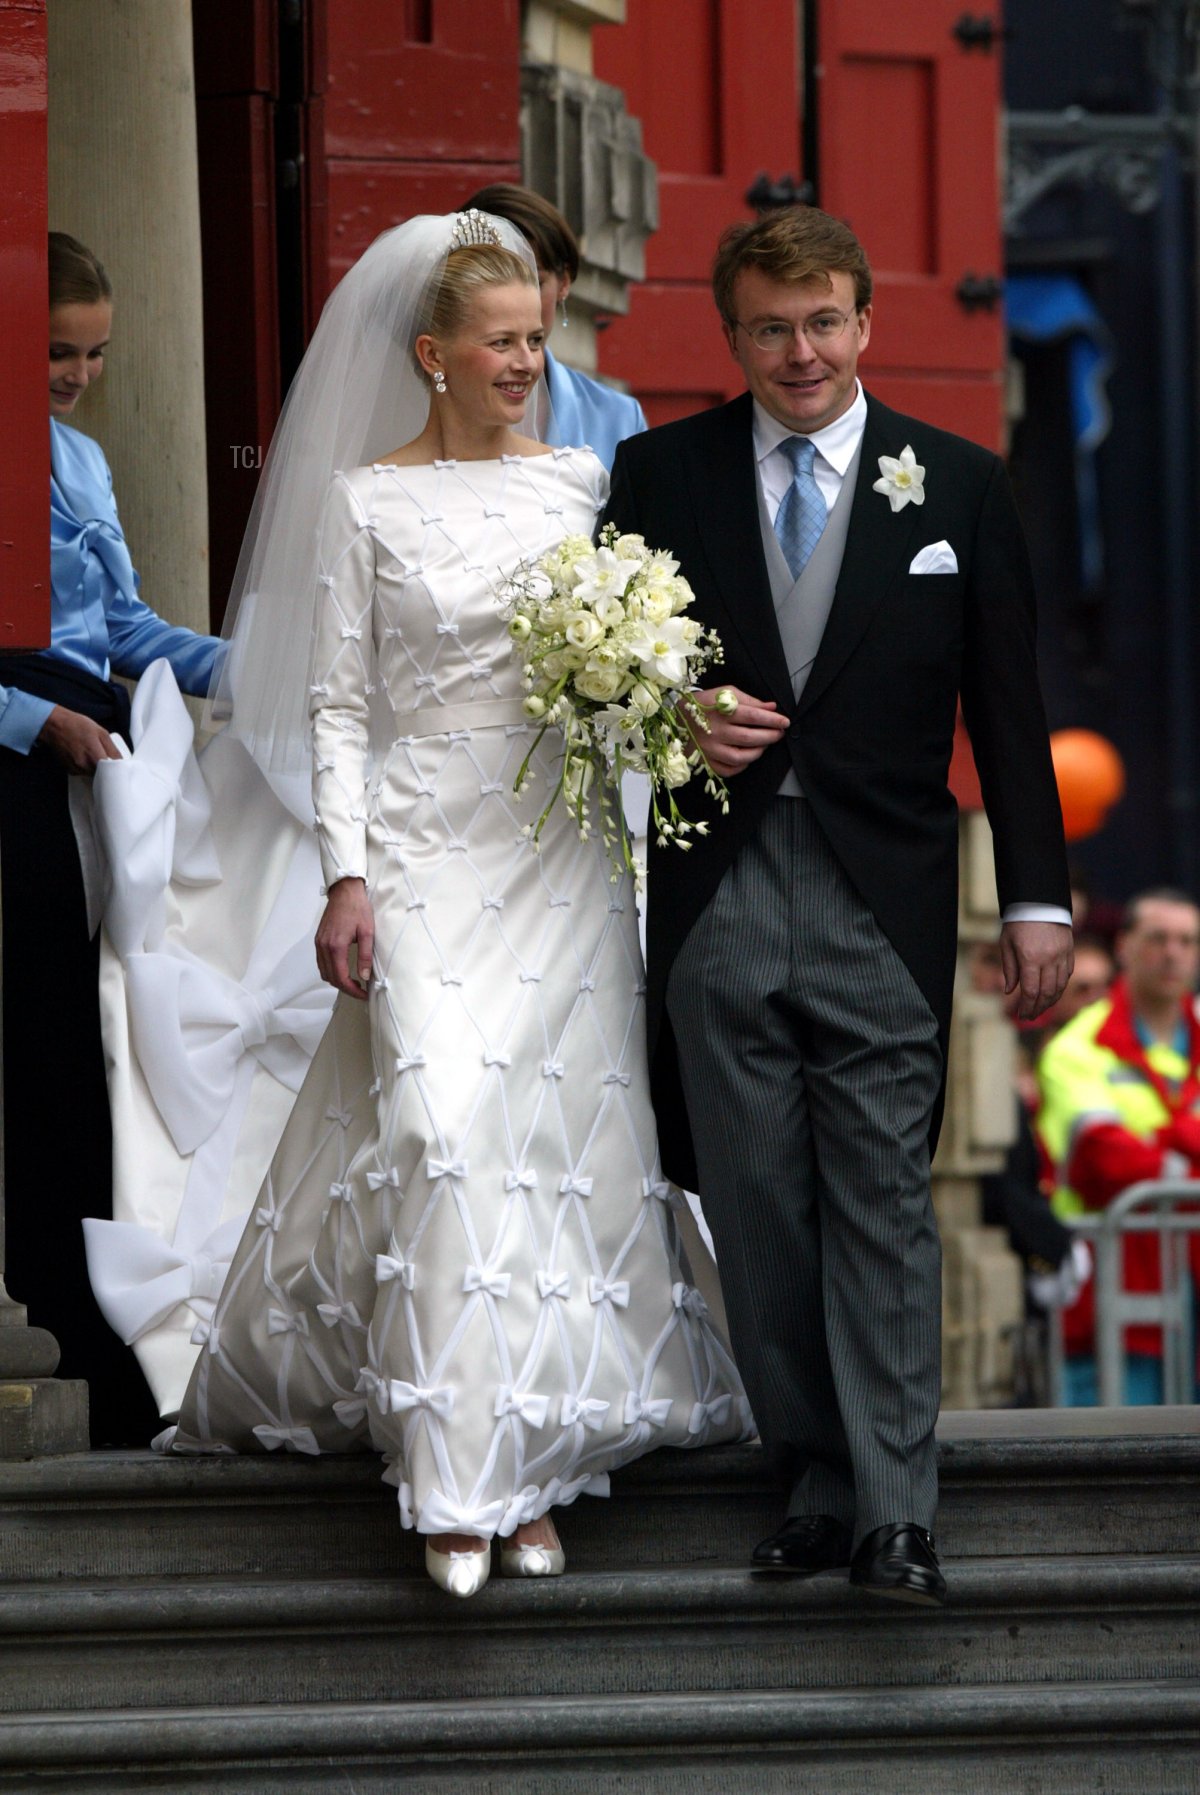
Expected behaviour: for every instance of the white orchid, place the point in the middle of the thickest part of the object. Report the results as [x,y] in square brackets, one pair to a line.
[606,577]
[902,481]
[660,650]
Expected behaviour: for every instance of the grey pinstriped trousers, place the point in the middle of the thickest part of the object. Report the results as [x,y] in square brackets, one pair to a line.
[810,1067]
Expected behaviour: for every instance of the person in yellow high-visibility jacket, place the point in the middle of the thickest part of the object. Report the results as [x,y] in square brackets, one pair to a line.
[1120,1092]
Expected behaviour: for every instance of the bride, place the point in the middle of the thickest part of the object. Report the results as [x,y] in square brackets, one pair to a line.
[464,1252]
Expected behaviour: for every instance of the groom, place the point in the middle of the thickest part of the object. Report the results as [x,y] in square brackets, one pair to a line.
[801,956]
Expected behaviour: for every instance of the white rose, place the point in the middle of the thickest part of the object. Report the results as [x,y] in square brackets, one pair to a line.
[676,770]
[520,629]
[610,611]
[630,547]
[583,629]
[533,706]
[644,699]
[598,683]
[656,606]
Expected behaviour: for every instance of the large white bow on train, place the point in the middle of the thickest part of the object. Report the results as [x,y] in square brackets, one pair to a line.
[139,1278]
[191,1026]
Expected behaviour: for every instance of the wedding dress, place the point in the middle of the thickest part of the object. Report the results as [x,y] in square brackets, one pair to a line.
[464,1253]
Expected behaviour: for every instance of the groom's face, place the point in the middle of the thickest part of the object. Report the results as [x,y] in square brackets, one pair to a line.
[804,384]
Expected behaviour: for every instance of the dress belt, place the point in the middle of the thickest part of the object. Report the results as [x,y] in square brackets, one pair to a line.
[447,719]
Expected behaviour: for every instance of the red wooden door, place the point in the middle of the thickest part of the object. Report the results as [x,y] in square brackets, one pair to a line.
[907,122]
[25,438]
[422,107]
[716,86]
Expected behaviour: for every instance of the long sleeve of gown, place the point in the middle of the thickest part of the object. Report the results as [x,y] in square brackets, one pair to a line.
[339,690]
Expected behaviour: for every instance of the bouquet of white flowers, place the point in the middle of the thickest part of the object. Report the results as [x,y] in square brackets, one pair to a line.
[609,658]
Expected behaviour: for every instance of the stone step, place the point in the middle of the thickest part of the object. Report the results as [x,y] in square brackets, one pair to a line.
[1040,1739]
[1030,1484]
[235,1643]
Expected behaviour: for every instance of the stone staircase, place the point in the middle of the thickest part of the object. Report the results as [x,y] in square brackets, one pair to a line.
[224,1624]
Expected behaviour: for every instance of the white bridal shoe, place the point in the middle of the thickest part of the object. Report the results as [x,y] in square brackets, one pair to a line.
[532,1561]
[459,1573]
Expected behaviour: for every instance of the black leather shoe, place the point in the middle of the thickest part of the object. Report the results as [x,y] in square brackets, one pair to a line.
[899,1561]
[804,1545]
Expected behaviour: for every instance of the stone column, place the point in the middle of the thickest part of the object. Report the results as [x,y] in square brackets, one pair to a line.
[582,151]
[122,162]
[982,1279]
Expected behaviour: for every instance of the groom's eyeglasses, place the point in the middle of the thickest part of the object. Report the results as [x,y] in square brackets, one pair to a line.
[776,333]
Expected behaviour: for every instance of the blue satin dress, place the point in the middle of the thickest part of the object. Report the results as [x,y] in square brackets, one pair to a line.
[587,412]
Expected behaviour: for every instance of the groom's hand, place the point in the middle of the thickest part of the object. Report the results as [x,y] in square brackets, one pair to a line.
[1037,957]
[730,743]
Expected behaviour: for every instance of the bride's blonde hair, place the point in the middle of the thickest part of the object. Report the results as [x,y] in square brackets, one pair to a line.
[465,271]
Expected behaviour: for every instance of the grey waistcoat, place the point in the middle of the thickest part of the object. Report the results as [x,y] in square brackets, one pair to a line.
[802,606]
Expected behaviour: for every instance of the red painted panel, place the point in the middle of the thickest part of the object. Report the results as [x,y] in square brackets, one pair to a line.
[716,87]
[439,81]
[969,404]
[25,437]
[366,197]
[907,127]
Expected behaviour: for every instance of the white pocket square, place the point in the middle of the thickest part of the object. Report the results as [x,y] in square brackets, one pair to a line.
[939,557]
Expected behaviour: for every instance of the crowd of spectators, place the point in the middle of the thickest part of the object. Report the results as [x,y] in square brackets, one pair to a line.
[1108,1095]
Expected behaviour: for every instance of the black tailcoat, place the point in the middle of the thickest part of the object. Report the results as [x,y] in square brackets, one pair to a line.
[872,734]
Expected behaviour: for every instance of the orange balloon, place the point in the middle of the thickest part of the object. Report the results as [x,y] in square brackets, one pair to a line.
[1091,777]
[1082,820]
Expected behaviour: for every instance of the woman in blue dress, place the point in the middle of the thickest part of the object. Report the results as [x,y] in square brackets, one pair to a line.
[59,712]
[585,410]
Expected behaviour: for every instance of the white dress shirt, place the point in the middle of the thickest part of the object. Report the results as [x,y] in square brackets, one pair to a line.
[836,445]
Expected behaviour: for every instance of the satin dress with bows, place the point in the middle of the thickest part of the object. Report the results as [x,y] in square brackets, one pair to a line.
[57,1145]
[464,1253]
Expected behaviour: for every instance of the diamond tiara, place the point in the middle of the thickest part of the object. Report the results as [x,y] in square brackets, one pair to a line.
[473,227]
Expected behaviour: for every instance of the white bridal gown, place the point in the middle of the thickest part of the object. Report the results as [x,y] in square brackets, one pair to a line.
[464,1252]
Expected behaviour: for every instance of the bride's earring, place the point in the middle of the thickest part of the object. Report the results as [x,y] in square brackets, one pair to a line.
[563,303]
[439,381]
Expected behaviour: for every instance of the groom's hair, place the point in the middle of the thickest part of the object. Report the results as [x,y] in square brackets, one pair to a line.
[796,244]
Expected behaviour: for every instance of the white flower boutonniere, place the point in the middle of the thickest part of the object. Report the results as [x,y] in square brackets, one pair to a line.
[903,481]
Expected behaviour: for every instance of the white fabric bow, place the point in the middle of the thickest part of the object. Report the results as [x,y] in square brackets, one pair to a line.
[440,1514]
[402,1396]
[139,1278]
[446,1168]
[279,1322]
[591,1411]
[389,1270]
[522,1180]
[493,1283]
[191,1027]
[531,1407]
[332,1313]
[689,1300]
[575,1187]
[654,1412]
[616,1292]
[704,1413]
[297,1439]
[553,1283]
[381,1180]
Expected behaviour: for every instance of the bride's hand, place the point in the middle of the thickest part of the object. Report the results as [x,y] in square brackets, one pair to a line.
[347,922]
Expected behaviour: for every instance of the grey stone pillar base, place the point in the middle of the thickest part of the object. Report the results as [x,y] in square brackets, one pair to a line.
[41,1417]
[40,1414]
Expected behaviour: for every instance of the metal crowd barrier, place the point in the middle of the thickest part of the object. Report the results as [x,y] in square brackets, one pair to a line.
[1145,1208]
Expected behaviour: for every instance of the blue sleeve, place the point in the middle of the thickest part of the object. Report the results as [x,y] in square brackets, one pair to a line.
[640,416]
[22,718]
[137,636]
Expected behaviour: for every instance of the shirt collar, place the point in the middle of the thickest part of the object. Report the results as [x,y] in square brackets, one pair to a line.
[837,443]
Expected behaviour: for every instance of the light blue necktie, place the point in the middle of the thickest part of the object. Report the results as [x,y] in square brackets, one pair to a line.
[801,517]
